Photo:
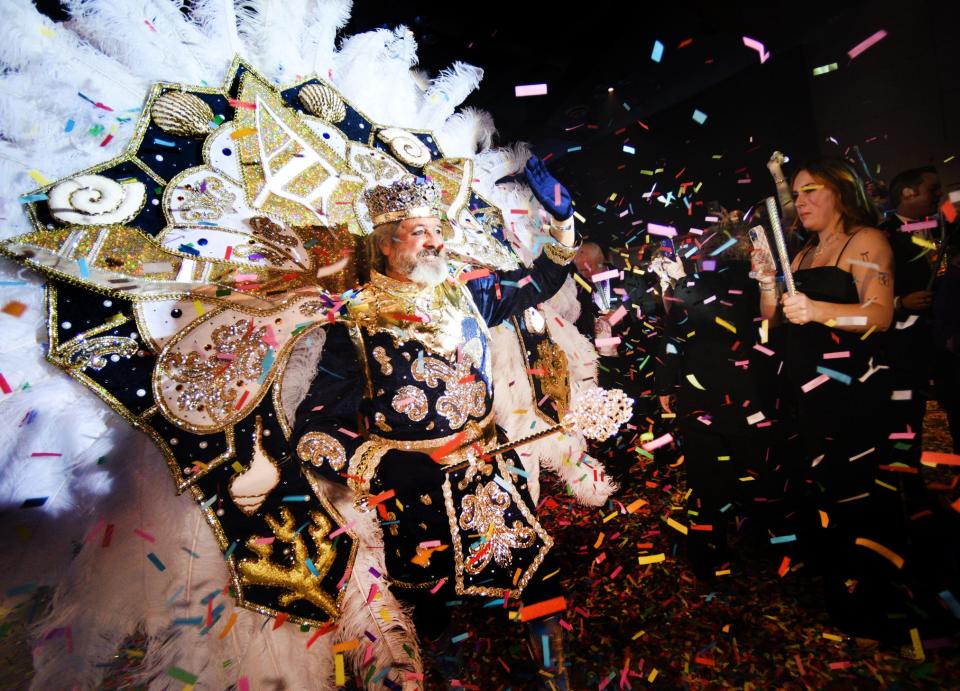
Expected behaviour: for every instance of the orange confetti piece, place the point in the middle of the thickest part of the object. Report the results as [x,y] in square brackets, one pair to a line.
[884,552]
[14,308]
[934,458]
[226,629]
[824,519]
[242,132]
[449,446]
[543,609]
[784,567]
[346,645]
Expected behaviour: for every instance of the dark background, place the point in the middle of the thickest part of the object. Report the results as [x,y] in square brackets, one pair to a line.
[898,101]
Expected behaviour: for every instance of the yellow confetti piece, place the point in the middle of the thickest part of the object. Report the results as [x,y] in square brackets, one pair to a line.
[885,485]
[764,331]
[917,645]
[747,478]
[237,466]
[385,615]
[832,637]
[884,552]
[341,677]
[46,32]
[917,240]
[831,323]
[613,515]
[725,324]
[637,635]
[586,286]
[197,305]
[868,332]
[679,527]
[576,215]
[722,572]
[651,559]
[653,675]
[38,177]
[692,378]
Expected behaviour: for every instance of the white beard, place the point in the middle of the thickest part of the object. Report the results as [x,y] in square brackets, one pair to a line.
[429,271]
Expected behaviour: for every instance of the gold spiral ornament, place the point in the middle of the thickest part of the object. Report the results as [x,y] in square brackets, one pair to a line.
[406,146]
[182,114]
[324,102]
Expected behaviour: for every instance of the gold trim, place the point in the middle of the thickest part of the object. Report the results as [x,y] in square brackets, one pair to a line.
[533,389]
[560,254]
[453,520]
[403,214]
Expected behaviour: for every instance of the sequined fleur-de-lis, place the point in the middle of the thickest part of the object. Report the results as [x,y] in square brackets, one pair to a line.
[485,512]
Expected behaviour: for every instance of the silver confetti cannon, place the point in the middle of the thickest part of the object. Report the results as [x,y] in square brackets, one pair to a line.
[774,213]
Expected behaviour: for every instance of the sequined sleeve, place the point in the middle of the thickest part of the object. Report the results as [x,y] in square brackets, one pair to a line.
[504,294]
[327,433]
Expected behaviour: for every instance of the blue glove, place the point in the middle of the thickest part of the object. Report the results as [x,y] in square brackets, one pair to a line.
[544,187]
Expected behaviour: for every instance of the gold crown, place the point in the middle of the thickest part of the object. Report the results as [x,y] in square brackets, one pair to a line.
[404,199]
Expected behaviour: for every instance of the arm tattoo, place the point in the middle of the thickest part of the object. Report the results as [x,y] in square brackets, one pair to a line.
[884,278]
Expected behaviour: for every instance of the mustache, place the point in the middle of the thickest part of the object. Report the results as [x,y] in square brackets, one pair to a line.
[430,252]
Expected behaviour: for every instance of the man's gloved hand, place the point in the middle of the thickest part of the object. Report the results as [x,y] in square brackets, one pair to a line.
[545,188]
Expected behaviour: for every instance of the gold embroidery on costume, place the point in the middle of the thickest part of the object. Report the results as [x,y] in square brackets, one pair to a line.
[297,579]
[238,352]
[381,421]
[207,202]
[462,398]
[555,377]
[317,447]
[484,512]
[412,402]
[380,355]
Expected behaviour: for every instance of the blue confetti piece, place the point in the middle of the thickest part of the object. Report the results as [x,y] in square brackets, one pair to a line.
[209,502]
[781,539]
[209,597]
[69,126]
[460,637]
[301,528]
[163,142]
[725,246]
[172,598]
[192,554]
[627,149]
[25,588]
[951,603]
[699,116]
[545,642]
[230,550]
[313,569]
[574,148]
[156,561]
[296,497]
[209,224]
[503,483]
[657,53]
[84,270]
[187,249]
[27,198]
[267,364]
[188,621]
[517,471]
[494,603]
[834,374]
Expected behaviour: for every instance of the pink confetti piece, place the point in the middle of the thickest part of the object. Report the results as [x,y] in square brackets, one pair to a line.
[867,43]
[605,275]
[264,540]
[663,231]
[4,386]
[603,342]
[837,355]
[524,281]
[352,435]
[146,536]
[757,46]
[243,684]
[617,315]
[341,530]
[918,225]
[530,90]
[814,383]
[658,442]
[440,583]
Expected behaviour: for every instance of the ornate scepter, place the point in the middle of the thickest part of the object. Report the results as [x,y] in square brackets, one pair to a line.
[774,213]
[597,414]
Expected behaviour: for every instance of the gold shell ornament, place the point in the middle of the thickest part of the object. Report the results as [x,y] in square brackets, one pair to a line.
[181,114]
[323,102]
[95,199]
[405,146]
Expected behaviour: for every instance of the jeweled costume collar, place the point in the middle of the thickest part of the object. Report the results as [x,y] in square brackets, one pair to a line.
[432,316]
